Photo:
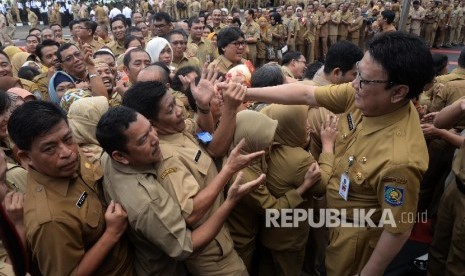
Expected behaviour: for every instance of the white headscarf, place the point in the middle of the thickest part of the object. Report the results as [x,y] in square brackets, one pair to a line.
[155,46]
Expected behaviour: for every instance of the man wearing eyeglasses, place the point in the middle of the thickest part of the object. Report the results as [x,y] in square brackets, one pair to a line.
[86,32]
[79,65]
[380,153]
[294,65]
[178,41]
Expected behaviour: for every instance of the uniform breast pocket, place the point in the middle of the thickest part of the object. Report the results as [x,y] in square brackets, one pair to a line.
[203,161]
[358,180]
[94,212]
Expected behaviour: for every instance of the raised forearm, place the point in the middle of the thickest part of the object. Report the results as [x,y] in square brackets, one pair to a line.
[293,93]
[94,257]
[223,135]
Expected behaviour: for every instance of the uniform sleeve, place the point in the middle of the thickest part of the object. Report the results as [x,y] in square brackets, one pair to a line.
[180,183]
[440,99]
[57,247]
[398,191]
[336,98]
[261,199]
[326,162]
[162,224]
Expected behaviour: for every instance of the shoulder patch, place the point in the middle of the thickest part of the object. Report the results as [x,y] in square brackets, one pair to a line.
[166,172]
[394,196]
[393,179]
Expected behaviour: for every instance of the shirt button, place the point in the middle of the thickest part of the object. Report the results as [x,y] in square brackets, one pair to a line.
[363,159]
[39,189]
[358,175]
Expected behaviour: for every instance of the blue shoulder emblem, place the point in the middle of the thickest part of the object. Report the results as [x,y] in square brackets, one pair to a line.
[394,196]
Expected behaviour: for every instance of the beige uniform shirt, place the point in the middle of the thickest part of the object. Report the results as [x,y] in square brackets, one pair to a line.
[186,169]
[187,61]
[223,64]
[116,48]
[389,158]
[157,229]
[64,218]
[203,50]
[447,95]
[334,23]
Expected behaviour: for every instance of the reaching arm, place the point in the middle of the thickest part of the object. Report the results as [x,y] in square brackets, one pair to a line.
[202,235]
[386,249]
[292,93]
[449,115]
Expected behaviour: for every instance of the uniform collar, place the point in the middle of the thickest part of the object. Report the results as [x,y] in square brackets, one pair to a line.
[287,71]
[227,63]
[60,185]
[373,124]
[127,169]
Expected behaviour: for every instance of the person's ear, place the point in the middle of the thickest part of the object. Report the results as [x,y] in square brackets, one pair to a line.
[120,157]
[399,93]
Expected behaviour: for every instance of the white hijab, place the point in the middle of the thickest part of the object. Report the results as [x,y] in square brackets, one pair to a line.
[155,46]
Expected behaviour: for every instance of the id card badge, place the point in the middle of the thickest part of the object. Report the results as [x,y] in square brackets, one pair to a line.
[344,186]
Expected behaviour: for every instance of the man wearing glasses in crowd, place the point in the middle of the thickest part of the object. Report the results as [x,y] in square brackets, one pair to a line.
[380,153]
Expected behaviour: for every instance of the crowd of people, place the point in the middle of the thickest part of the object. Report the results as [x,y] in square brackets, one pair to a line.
[155,139]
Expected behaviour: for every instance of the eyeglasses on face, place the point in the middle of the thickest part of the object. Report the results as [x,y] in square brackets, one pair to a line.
[77,55]
[238,43]
[362,81]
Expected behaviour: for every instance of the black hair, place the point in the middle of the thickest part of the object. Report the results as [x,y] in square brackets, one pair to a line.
[111,128]
[237,21]
[131,29]
[177,85]
[62,48]
[251,12]
[192,20]
[343,55]
[128,56]
[128,39]
[118,18]
[145,97]
[312,69]
[45,43]
[226,36]
[4,102]
[267,75]
[32,120]
[72,23]
[28,72]
[290,56]
[91,25]
[388,15]
[31,35]
[440,61]
[277,17]
[160,16]
[34,29]
[461,60]
[176,31]
[405,58]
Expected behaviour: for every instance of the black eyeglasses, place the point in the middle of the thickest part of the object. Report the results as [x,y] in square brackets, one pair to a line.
[362,81]
[238,43]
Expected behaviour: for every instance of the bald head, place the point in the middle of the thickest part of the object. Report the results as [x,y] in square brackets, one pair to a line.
[154,73]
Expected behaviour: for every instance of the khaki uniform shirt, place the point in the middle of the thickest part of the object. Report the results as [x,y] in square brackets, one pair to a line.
[389,158]
[203,50]
[447,95]
[454,17]
[157,229]
[186,61]
[116,48]
[59,232]
[42,81]
[287,72]
[251,30]
[187,169]
[334,26]
[216,29]
[417,17]
[223,64]
[291,24]
[346,19]
[95,45]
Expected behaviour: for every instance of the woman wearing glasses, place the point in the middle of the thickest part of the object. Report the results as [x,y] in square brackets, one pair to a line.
[231,47]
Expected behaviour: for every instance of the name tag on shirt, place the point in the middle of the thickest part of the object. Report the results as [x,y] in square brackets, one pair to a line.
[344,186]
[81,199]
